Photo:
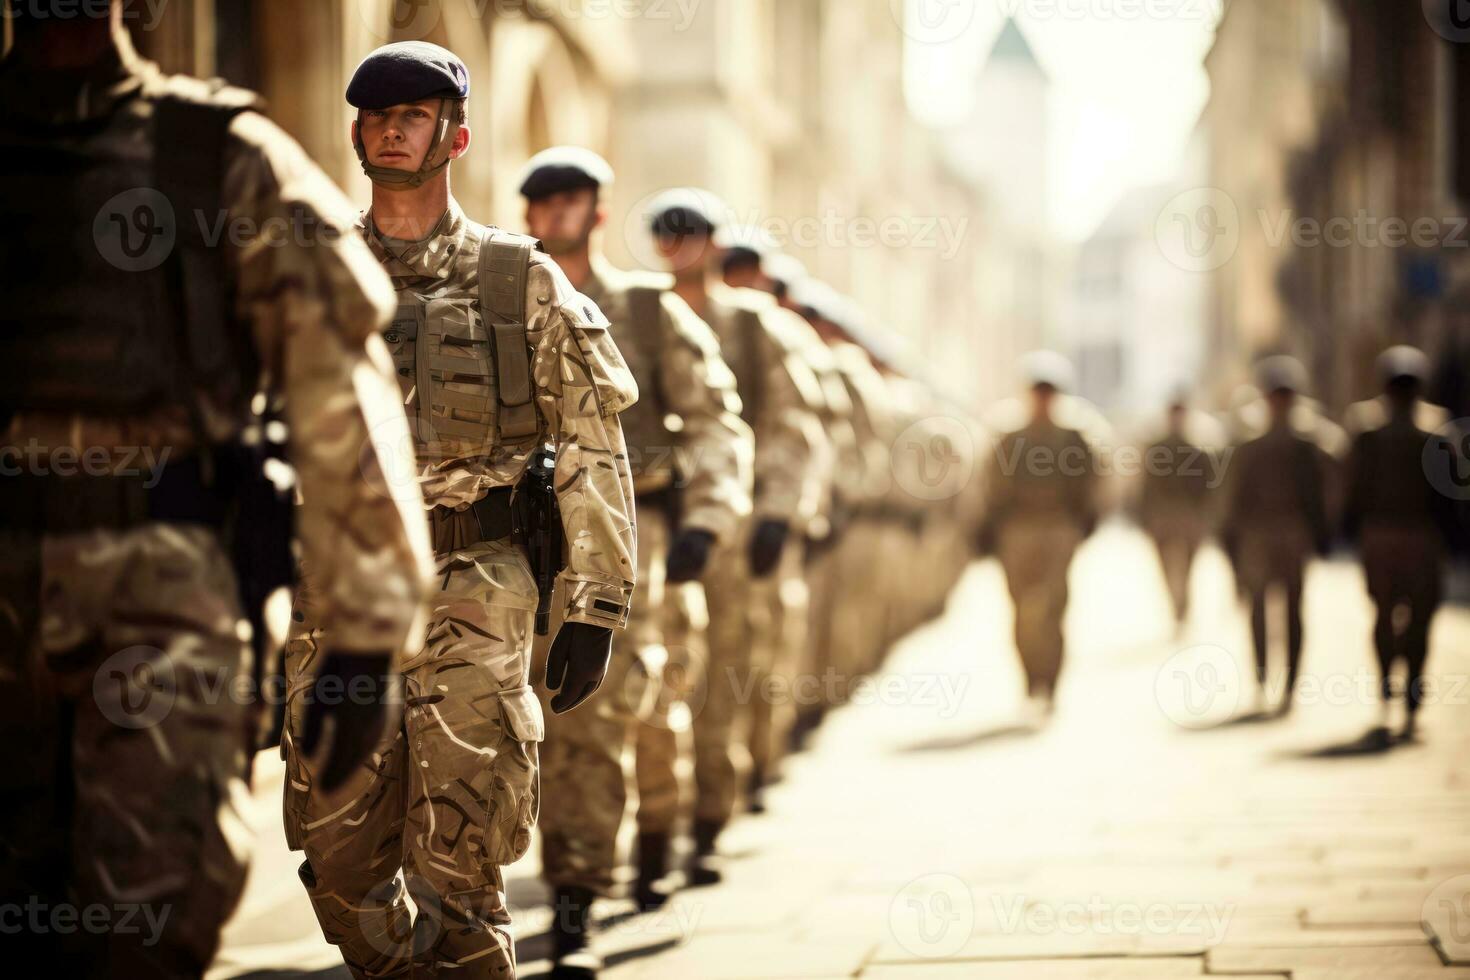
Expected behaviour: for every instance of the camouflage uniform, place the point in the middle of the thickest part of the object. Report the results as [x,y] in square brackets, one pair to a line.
[684,437]
[117,643]
[454,794]
[777,392]
[1042,496]
[1402,523]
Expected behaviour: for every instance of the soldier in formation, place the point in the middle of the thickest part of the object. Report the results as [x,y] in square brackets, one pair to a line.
[691,456]
[497,356]
[128,596]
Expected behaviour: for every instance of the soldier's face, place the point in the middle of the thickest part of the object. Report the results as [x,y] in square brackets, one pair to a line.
[400,136]
[565,221]
[685,255]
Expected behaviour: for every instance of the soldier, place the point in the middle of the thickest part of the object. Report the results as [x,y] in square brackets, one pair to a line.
[497,355]
[1174,503]
[1276,515]
[1042,488]
[123,635]
[777,394]
[799,599]
[1401,521]
[691,458]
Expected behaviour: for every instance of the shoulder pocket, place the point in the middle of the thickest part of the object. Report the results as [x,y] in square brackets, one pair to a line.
[607,371]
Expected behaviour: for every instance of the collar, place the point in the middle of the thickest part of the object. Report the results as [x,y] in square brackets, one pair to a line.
[431,257]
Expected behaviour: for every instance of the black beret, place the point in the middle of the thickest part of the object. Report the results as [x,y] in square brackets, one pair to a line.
[563,168]
[407,71]
[684,211]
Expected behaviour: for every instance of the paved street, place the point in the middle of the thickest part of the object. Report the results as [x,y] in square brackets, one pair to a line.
[927,835]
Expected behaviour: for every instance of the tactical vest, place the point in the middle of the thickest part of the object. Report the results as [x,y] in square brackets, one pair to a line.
[116,305]
[470,375]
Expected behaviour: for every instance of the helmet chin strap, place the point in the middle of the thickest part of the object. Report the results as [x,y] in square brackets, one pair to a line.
[434,161]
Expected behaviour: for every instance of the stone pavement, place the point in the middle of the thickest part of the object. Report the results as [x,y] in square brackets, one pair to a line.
[1142,834]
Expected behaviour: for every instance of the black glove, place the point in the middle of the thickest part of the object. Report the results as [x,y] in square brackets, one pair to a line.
[765,546]
[577,663]
[352,704]
[689,554]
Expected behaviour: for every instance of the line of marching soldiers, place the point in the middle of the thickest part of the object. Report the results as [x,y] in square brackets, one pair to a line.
[785,536]
[1276,481]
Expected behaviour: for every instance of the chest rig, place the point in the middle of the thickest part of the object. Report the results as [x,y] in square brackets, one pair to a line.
[464,365]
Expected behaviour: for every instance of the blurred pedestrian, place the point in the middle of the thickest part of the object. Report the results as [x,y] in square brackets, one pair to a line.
[1277,515]
[1401,520]
[1042,503]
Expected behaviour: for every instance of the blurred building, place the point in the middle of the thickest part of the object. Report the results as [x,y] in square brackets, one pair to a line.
[1339,130]
[1002,149]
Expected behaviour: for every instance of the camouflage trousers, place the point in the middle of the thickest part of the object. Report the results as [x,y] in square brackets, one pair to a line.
[1036,555]
[777,660]
[121,662]
[584,770]
[857,605]
[815,657]
[664,732]
[450,797]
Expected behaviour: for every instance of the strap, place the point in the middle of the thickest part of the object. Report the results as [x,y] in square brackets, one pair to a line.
[505,261]
[189,140]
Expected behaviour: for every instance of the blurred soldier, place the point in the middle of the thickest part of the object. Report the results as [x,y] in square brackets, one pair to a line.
[1276,515]
[1175,499]
[1043,503]
[497,355]
[856,603]
[1401,521]
[691,460]
[777,393]
[797,601]
[129,596]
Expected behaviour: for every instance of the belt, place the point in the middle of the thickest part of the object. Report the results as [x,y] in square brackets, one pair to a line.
[488,519]
[183,492]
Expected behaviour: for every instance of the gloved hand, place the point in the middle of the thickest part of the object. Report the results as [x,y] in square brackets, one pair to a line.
[353,701]
[689,554]
[766,544]
[577,663]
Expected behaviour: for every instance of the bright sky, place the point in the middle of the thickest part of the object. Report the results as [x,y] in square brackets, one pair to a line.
[1127,85]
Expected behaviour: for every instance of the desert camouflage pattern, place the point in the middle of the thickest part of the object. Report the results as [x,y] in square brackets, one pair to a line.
[585,759]
[138,634]
[685,435]
[686,426]
[455,795]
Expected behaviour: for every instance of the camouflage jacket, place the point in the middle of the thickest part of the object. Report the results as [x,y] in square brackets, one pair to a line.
[580,384]
[686,426]
[778,395]
[314,302]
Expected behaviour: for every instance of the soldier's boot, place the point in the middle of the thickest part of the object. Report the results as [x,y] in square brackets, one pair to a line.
[755,797]
[653,868]
[705,869]
[572,955]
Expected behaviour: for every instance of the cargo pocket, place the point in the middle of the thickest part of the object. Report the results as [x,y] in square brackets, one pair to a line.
[515,791]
